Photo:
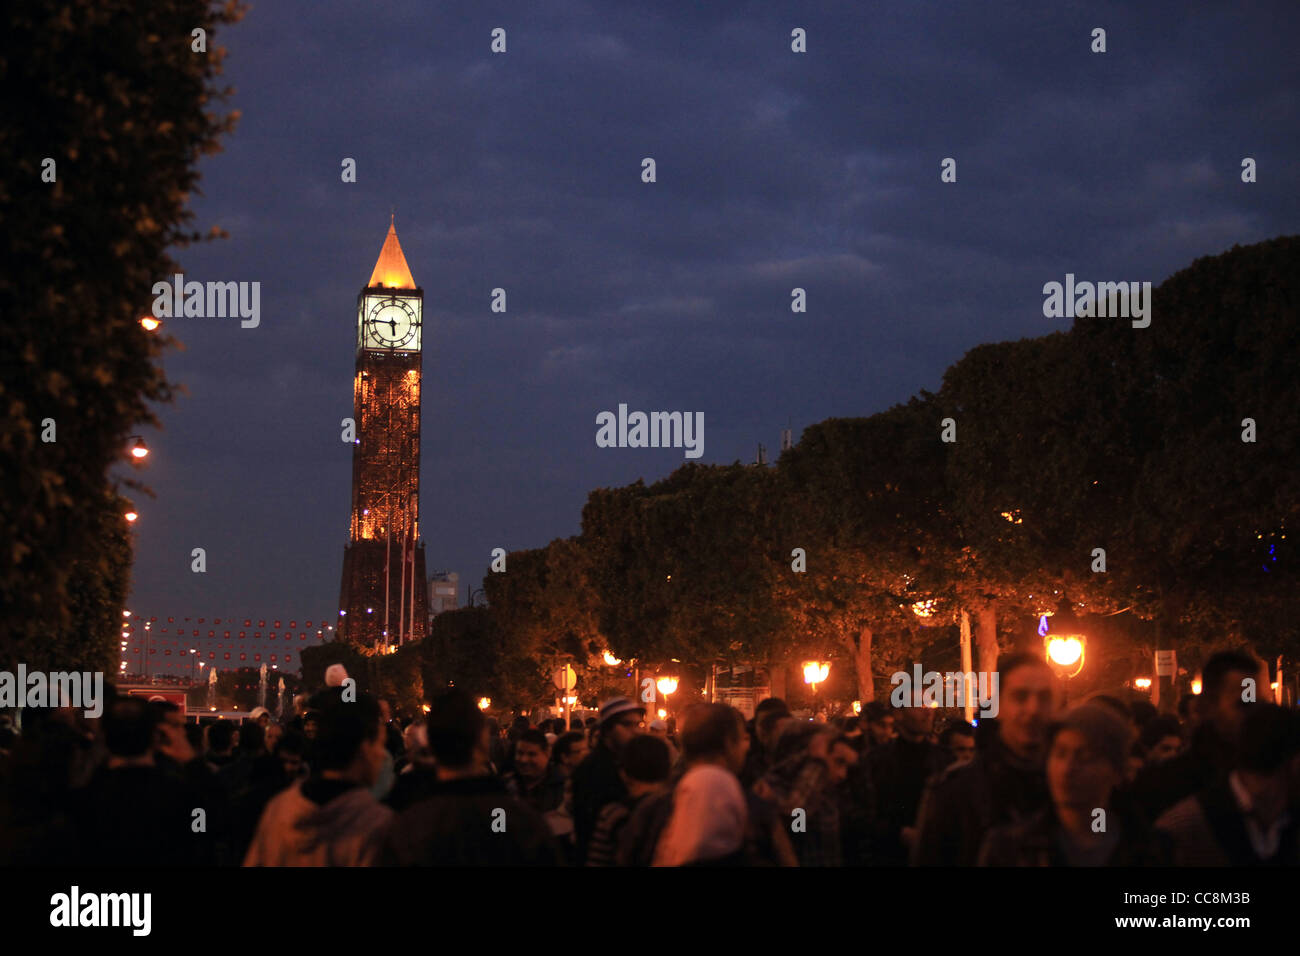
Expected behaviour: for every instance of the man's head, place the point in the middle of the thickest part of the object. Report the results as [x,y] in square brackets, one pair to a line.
[768,728]
[1161,738]
[620,721]
[169,723]
[644,764]
[273,734]
[310,724]
[714,733]
[1222,683]
[289,750]
[1026,703]
[802,738]
[457,732]
[959,740]
[350,739]
[128,727]
[532,755]
[385,710]
[914,723]
[841,758]
[570,750]
[221,737]
[1268,761]
[1087,757]
[252,738]
[880,722]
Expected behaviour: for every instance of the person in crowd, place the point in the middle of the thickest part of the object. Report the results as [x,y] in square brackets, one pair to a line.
[497,745]
[1006,780]
[703,819]
[596,780]
[274,731]
[252,741]
[468,818]
[802,787]
[644,765]
[130,786]
[331,818]
[415,744]
[392,729]
[879,717]
[220,752]
[535,780]
[36,800]
[1083,824]
[1250,817]
[899,770]
[1143,712]
[570,750]
[1161,740]
[771,716]
[1213,744]
[709,815]
[958,741]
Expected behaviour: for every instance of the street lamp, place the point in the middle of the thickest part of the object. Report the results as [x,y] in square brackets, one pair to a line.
[610,659]
[483,704]
[139,449]
[667,686]
[1064,643]
[150,323]
[816,672]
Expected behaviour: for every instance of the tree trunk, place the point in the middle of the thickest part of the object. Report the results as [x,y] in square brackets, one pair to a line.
[862,664]
[986,636]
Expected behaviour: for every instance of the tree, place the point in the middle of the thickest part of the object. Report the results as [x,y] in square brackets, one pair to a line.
[864,498]
[686,568]
[113,93]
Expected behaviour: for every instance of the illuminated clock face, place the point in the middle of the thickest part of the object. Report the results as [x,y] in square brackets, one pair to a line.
[392,324]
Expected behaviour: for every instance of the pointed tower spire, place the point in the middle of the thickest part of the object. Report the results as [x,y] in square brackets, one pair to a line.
[391,271]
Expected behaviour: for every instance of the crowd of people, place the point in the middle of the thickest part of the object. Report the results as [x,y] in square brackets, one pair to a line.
[346,782]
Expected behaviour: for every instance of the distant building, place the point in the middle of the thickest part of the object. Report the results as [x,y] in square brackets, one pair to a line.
[444,592]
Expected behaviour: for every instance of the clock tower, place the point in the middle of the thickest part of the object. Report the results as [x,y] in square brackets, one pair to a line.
[384,598]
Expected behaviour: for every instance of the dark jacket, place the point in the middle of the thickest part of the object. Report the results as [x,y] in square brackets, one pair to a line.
[545,795]
[1209,829]
[595,783]
[139,816]
[1038,841]
[459,825]
[1205,762]
[899,771]
[961,805]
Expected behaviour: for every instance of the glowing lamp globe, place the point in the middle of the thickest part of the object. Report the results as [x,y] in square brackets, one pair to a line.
[1065,651]
[816,672]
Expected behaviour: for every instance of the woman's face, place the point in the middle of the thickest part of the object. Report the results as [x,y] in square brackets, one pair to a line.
[1079,777]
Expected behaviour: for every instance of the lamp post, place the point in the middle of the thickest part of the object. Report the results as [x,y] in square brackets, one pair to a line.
[666,686]
[1064,643]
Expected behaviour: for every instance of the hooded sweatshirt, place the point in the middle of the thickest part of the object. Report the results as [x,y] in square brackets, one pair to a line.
[347,829]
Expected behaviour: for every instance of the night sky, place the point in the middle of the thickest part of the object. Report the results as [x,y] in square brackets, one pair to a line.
[775,170]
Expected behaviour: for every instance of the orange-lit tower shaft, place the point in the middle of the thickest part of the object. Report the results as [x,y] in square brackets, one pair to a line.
[383,596]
